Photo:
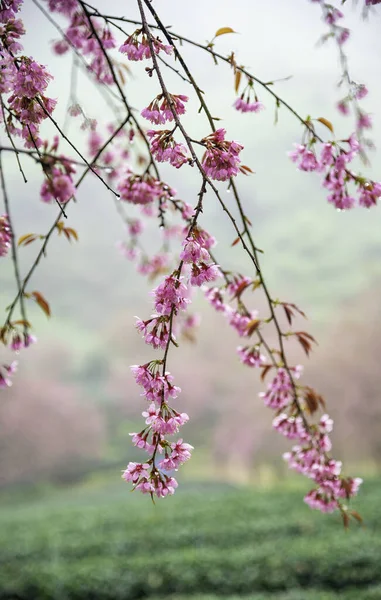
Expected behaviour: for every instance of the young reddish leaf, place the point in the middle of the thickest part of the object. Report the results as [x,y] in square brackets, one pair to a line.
[3,334]
[265,370]
[311,399]
[42,303]
[344,514]
[120,74]
[289,313]
[22,322]
[72,232]
[306,335]
[346,484]
[252,326]
[322,402]
[356,516]
[304,343]
[223,31]
[60,226]
[26,239]
[29,241]
[241,288]
[66,234]
[246,170]
[327,123]
[235,241]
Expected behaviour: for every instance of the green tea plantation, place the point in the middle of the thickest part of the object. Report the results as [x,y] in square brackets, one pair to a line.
[98,542]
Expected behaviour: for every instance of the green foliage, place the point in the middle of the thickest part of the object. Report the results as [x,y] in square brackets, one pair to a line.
[112,545]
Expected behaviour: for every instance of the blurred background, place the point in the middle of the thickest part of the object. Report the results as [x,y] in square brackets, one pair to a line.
[70,527]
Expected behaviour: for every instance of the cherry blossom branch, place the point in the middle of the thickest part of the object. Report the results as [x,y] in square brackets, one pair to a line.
[253,254]
[318,441]
[220,162]
[186,136]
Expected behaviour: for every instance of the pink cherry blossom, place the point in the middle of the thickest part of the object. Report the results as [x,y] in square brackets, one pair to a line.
[160,112]
[291,427]
[143,189]
[319,500]
[203,273]
[215,296]
[361,91]
[193,252]
[163,488]
[23,340]
[343,107]
[280,391]
[240,322]
[6,371]
[136,47]
[364,120]
[165,149]
[245,106]
[140,441]
[155,331]
[5,235]
[171,295]
[325,424]
[135,470]
[251,356]
[221,159]
[144,486]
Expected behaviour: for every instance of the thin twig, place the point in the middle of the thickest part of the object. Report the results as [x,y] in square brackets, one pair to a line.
[13,246]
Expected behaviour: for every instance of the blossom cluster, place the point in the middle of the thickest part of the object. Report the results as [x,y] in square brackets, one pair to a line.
[136,47]
[244,105]
[285,397]
[28,106]
[25,78]
[161,420]
[58,184]
[152,198]
[22,340]
[171,298]
[221,158]
[333,163]
[86,35]
[164,148]
[5,235]
[143,189]
[195,254]
[161,109]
